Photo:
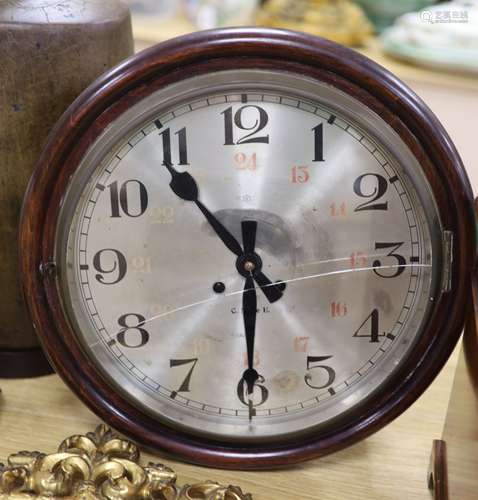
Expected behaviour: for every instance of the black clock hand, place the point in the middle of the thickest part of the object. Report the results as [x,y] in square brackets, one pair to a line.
[249,231]
[249,311]
[185,187]
[271,290]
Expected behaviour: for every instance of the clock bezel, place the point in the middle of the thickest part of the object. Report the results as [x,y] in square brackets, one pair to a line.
[203,53]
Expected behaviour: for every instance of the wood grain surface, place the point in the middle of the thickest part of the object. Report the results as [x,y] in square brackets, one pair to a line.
[461,435]
[391,465]
[43,67]
[49,53]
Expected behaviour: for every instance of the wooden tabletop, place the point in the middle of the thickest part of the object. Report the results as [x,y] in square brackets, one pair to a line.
[392,464]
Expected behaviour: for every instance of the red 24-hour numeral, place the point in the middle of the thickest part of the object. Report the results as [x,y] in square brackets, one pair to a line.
[300,174]
[301,344]
[245,162]
[257,359]
[338,309]
[358,260]
[338,210]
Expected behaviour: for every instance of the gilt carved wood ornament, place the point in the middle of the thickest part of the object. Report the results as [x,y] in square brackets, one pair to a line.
[99,466]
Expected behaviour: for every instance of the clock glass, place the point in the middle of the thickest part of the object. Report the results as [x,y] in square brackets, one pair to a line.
[249,254]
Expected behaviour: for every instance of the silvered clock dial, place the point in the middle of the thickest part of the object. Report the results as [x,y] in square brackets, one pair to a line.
[248,262]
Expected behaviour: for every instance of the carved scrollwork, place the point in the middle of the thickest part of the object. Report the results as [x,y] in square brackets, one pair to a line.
[100,466]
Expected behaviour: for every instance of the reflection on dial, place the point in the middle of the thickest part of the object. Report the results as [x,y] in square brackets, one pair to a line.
[340,222]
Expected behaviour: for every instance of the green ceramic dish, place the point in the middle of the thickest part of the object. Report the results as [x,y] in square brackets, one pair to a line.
[451,59]
[383,12]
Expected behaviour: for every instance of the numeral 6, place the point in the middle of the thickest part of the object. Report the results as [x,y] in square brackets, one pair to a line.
[242,391]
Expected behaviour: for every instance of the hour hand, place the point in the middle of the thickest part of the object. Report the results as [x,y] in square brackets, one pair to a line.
[183,184]
[270,290]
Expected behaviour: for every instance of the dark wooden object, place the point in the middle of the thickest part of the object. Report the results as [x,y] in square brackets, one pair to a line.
[219,50]
[438,473]
[50,51]
[456,469]
[470,339]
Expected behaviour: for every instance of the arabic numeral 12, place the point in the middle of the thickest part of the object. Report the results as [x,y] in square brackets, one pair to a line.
[249,118]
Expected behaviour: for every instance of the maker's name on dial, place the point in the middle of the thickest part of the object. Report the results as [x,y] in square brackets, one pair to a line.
[259,310]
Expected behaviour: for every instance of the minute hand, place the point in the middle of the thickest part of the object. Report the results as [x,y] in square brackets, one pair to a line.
[185,187]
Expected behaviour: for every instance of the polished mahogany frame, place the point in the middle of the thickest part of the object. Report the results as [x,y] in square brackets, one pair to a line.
[216,50]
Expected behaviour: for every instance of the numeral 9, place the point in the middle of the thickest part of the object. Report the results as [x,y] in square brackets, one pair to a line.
[109,261]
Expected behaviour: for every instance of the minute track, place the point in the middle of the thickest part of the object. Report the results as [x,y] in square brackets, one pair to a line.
[262,412]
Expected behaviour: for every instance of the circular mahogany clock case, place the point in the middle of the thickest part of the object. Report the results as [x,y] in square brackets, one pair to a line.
[248,247]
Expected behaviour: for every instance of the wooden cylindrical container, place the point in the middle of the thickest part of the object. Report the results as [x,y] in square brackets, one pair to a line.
[50,51]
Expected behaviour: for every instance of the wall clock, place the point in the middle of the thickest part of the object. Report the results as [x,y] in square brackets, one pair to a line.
[248,247]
